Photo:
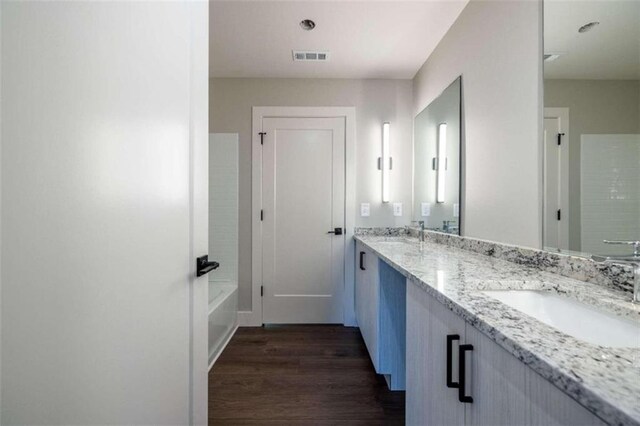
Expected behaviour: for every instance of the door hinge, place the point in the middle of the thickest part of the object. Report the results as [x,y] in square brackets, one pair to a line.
[560,135]
[261,215]
[261,291]
[559,214]
[262,137]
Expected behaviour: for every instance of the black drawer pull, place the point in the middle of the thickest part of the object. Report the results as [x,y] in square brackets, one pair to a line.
[362,268]
[462,397]
[450,339]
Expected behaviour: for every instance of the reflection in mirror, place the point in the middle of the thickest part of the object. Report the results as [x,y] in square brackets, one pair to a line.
[591,125]
[436,163]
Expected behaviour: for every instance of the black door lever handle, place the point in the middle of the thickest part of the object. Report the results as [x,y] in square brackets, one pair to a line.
[336,231]
[203,266]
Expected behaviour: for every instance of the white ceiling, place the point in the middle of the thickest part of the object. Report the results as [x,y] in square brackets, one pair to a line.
[367,39]
[610,50]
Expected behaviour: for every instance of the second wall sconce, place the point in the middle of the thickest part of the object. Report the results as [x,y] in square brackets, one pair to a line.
[441,162]
[385,162]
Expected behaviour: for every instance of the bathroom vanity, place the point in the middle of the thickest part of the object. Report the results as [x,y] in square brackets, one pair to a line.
[472,357]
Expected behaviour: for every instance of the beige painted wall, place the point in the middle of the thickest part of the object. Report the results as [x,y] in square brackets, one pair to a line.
[376,101]
[496,46]
[595,107]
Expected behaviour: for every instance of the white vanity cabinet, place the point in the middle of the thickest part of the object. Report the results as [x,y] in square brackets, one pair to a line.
[367,301]
[428,399]
[504,391]
[496,381]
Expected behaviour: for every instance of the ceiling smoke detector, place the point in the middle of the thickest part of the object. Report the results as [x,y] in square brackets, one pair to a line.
[588,27]
[308,55]
[307,24]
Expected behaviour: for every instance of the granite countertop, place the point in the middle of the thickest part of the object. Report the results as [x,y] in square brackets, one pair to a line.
[604,380]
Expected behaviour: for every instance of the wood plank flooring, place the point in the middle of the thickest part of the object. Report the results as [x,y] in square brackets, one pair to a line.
[300,375]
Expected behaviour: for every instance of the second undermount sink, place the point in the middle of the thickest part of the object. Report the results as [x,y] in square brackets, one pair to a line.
[572,317]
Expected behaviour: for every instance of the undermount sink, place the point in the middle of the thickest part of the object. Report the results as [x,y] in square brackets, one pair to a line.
[572,317]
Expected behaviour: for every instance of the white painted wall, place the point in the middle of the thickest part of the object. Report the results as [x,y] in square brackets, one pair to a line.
[376,101]
[104,143]
[496,47]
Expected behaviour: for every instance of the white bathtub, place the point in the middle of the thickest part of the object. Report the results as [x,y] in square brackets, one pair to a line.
[223,316]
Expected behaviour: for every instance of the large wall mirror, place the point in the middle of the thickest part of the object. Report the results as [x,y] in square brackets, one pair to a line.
[436,169]
[591,125]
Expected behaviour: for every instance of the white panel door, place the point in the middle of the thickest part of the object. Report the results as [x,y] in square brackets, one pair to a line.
[104,208]
[551,183]
[556,179]
[303,200]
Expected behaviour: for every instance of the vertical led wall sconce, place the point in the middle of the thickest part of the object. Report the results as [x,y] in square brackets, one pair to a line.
[441,162]
[384,162]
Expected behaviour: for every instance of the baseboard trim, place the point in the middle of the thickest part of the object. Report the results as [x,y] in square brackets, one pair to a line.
[224,345]
[249,319]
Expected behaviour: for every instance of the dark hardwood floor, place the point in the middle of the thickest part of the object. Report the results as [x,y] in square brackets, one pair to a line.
[300,375]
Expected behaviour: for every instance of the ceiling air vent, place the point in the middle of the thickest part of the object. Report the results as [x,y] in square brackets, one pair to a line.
[303,55]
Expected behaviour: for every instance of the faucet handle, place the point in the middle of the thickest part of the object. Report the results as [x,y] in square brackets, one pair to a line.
[634,243]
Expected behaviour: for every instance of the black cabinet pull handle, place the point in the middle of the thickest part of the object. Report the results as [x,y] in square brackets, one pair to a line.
[203,266]
[450,339]
[362,268]
[462,397]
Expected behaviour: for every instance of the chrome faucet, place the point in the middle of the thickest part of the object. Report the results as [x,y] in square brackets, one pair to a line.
[635,244]
[633,260]
[421,223]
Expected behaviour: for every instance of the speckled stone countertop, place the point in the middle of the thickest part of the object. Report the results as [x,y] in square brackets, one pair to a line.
[604,380]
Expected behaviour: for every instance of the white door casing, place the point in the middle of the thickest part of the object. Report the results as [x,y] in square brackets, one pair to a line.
[255,316]
[303,200]
[104,209]
[556,178]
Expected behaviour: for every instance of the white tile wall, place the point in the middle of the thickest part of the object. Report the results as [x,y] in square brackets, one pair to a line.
[223,208]
[610,191]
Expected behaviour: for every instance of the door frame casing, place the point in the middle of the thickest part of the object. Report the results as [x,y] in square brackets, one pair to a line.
[255,317]
[562,114]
